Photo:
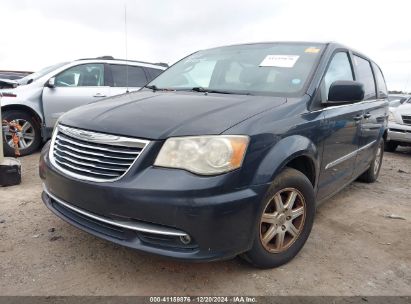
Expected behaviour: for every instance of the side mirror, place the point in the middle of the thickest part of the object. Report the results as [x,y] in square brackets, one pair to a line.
[51,83]
[345,91]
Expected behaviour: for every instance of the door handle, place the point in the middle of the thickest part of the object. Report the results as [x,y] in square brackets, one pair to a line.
[99,95]
[367,115]
[358,117]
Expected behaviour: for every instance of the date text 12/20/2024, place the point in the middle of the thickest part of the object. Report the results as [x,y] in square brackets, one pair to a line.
[204,299]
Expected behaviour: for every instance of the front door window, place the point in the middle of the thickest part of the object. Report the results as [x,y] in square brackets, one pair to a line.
[84,75]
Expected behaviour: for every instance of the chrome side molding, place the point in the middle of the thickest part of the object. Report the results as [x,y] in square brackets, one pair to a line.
[348,156]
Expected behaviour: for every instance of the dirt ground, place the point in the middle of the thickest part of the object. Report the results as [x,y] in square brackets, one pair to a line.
[354,249]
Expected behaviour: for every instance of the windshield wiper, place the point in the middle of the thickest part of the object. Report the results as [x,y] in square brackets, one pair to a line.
[199,89]
[152,87]
[155,88]
[204,90]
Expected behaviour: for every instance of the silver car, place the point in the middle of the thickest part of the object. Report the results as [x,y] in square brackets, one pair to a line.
[39,99]
[399,126]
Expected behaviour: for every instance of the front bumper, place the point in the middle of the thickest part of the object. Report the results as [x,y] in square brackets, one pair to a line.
[399,132]
[168,204]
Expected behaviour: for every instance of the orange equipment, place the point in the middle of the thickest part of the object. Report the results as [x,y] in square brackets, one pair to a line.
[15,129]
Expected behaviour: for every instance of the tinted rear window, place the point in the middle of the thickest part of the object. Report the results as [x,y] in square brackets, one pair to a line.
[136,76]
[153,73]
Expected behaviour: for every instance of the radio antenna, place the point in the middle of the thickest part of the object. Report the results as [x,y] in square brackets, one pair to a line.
[126,45]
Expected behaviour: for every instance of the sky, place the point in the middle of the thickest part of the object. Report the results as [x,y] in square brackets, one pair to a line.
[40,33]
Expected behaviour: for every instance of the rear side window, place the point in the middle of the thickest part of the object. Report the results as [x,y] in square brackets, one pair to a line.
[153,73]
[136,76]
[382,87]
[365,76]
[339,69]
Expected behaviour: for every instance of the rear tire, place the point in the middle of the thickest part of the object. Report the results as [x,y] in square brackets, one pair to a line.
[390,146]
[290,226]
[31,133]
[373,171]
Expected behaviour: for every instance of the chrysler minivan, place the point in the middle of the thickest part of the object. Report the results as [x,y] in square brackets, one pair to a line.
[228,152]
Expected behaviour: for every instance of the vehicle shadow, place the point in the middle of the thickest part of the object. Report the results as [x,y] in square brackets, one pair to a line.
[402,150]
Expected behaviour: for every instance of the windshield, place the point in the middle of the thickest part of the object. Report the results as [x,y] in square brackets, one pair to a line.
[34,76]
[257,69]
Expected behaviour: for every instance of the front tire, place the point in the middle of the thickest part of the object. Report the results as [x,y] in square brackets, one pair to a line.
[285,220]
[31,134]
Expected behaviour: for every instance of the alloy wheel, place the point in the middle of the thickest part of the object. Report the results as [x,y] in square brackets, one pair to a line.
[282,220]
[27,136]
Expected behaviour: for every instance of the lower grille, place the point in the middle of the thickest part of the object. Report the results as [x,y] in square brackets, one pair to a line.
[101,227]
[406,119]
[94,156]
[125,231]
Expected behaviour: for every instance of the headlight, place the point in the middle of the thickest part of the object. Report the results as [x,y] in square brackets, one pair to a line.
[205,155]
[391,117]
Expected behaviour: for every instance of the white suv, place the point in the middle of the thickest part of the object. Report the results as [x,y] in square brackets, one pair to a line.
[399,126]
[39,99]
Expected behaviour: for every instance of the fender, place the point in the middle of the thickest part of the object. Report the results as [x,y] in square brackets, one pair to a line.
[29,100]
[282,153]
[22,107]
[28,97]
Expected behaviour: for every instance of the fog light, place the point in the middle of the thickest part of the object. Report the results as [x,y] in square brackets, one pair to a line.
[185,239]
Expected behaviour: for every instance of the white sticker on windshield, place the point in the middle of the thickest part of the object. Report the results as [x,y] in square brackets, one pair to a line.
[281,61]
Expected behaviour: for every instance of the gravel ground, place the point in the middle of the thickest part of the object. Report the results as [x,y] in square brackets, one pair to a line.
[354,249]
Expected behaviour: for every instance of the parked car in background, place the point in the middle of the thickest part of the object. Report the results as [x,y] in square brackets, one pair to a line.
[39,99]
[8,84]
[396,100]
[399,125]
[13,75]
[226,153]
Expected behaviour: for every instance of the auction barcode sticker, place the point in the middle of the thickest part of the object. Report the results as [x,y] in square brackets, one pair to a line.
[281,61]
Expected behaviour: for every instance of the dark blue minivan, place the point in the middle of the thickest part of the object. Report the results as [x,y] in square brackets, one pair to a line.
[226,153]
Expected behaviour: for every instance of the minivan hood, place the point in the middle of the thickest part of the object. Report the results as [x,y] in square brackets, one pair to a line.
[158,115]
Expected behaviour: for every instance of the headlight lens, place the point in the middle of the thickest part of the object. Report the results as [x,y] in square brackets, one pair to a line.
[205,155]
[391,117]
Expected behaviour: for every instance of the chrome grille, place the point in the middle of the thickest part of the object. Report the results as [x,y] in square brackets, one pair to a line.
[406,119]
[93,156]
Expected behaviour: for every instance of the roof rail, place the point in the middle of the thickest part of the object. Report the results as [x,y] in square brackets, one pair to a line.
[106,57]
[163,64]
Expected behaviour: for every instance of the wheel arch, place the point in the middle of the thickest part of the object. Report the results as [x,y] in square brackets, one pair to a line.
[24,108]
[305,165]
[297,152]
